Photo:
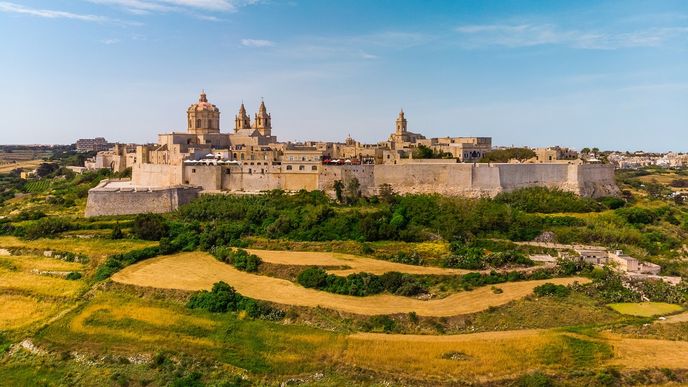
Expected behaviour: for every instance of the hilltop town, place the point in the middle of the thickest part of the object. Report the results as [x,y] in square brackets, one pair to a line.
[251,160]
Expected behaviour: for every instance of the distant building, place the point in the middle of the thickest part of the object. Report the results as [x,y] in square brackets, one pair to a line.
[92,144]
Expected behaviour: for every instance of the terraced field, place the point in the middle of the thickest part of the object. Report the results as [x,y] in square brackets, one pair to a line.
[354,263]
[196,271]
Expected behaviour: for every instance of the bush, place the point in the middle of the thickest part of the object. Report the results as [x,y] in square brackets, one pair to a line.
[239,258]
[223,298]
[117,232]
[314,277]
[117,262]
[550,289]
[46,227]
[547,200]
[73,276]
[150,227]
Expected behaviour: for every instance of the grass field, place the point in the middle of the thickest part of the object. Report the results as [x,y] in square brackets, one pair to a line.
[96,249]
[5,168]
[18,311]
[196,271]
[356,264]
[646,309]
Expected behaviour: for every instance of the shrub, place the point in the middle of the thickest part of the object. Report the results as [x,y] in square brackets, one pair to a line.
[46,227]
[73,276]
[550,289]
[314,277]
[149,227]
[115,263]
[221,299]
[547,200]
[117,232]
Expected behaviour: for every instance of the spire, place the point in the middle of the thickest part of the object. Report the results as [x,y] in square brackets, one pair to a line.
[203,98]
[242,109]
[262,108]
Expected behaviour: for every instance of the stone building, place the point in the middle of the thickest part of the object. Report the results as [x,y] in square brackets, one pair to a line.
[250,159]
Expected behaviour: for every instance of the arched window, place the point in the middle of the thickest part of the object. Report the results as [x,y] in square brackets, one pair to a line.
[198,123]
[288,167]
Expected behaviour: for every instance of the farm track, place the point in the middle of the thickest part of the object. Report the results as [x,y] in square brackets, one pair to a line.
[198,271]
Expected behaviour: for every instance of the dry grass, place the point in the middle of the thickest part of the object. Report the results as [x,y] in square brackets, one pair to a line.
[486,356]
[30,164]
[677,318]
[644,353]
[196,271]
[94,248]
[646,309]
[109,318]
[27,263]
[356,263]
[19,311]
[38,284]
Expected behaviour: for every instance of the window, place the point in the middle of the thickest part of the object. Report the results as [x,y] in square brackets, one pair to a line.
[210,123]
[288,167]
[314,168]
[249,171]
[193,170]
[227,171]
[302,168]
[198,123]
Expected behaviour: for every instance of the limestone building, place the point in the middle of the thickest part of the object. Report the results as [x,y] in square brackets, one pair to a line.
[250,159]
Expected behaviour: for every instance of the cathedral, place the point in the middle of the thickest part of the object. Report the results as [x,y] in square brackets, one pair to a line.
[250,159]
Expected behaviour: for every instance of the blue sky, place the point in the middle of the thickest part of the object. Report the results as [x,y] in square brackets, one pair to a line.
[575,73]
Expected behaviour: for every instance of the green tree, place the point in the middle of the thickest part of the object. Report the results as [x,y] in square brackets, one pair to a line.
[504,155]
[150,227]
[339,190]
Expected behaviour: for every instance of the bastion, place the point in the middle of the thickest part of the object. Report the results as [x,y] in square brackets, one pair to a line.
[120,197]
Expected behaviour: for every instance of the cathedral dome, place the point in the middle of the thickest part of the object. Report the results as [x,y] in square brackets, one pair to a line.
[203,104]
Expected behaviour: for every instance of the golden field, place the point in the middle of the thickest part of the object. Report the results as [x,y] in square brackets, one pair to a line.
[354,263]
[197,271]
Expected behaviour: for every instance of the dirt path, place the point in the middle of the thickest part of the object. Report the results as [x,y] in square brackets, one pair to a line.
[357,264]
[196,271]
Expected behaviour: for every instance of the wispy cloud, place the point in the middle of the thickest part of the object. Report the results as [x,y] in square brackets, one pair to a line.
[257,43]
[142,7]
[526,35]
[110,41]
[48,13]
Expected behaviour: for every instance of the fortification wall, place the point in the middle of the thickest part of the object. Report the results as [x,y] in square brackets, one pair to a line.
[121,200]
[364,173]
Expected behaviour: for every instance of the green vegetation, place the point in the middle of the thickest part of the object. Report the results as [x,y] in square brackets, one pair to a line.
[476,258]
[545,200]
[361,284]
[424,152]
[223,298]
[504,155]
[239,258]
[549,289]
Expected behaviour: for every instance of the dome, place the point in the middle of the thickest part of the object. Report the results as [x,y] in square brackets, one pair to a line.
[203,104]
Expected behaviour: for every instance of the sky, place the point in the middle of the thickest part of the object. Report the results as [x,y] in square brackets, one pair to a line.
[606,74]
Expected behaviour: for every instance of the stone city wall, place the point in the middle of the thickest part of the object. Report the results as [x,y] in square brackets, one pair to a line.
[447,178]
[103,200]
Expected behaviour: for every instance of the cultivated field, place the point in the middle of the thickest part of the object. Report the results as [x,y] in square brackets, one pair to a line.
[490,355]
[196,271]
[355,263]
[646,309]
[18,311]
[5,168]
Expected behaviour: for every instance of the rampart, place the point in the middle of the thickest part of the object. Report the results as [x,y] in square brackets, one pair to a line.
[119,197]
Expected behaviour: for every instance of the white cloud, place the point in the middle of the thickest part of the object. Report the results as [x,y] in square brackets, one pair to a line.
[110,41]
[257,43]
[526,35]
[149,6]
[47,13]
